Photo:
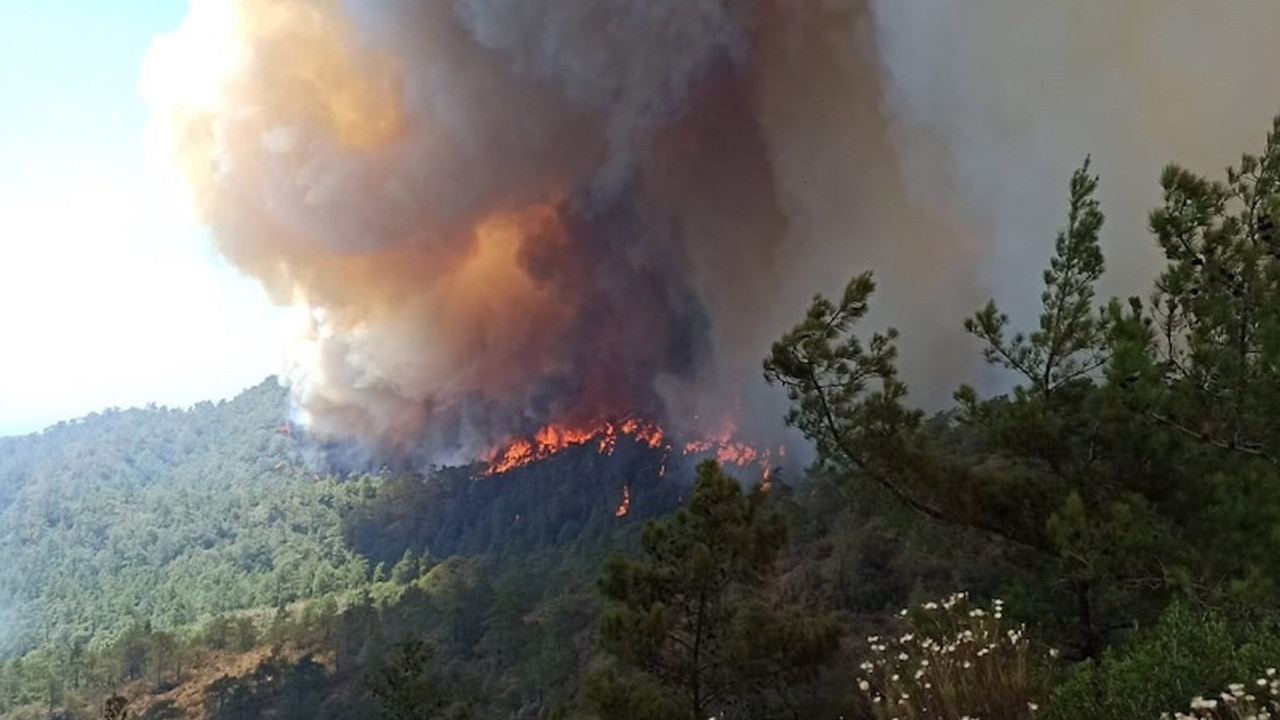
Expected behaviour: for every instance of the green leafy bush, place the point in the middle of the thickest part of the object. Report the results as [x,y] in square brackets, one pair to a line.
[1188,654]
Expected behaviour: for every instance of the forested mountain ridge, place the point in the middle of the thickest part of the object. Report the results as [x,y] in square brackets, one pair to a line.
[163,515]
[170,516]
[144,543]
[209,444]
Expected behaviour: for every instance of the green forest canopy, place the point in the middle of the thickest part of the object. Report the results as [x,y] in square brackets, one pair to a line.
[1123,500]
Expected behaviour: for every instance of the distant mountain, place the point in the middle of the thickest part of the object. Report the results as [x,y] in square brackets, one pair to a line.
[151,513]
[167,516]
[240,438]
[196,562]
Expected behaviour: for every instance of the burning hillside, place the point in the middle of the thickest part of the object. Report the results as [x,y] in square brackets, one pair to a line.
[552,439]
[604,437]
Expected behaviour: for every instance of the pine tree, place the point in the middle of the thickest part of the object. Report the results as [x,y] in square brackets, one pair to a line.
[406,687]
[1053,469]
[116,708]
[688,622]
[1137,457]
[1070,342]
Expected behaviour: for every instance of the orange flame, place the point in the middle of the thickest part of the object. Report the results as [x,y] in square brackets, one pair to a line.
[728,451]
[552,439]
[625,506]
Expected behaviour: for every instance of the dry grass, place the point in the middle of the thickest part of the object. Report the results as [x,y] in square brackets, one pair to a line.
[189,695]
[952,660]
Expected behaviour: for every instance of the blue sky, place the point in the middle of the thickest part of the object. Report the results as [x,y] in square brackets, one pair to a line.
[109,295]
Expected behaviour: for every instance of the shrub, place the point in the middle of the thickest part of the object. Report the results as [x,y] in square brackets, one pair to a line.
[1187,653]
[1259,701]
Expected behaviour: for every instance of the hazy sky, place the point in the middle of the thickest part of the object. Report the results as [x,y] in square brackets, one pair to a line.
[109,296]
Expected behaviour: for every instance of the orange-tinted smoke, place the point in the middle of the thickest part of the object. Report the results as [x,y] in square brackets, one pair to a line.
[500,216]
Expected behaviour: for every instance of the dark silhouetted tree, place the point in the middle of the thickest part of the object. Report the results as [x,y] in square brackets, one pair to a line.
[688,623]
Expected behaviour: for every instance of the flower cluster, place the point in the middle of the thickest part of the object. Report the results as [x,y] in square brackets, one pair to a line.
[1259,701]
[952,660]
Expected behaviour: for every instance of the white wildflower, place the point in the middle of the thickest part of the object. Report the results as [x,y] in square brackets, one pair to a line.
[1199,703]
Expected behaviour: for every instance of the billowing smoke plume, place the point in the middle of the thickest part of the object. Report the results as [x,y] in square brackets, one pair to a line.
[505,213]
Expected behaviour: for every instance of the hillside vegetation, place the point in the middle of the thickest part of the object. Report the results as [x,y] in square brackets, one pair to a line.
[1100,542]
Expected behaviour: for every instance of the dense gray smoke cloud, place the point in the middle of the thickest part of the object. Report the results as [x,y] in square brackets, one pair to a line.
[502,214]
[994,102]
